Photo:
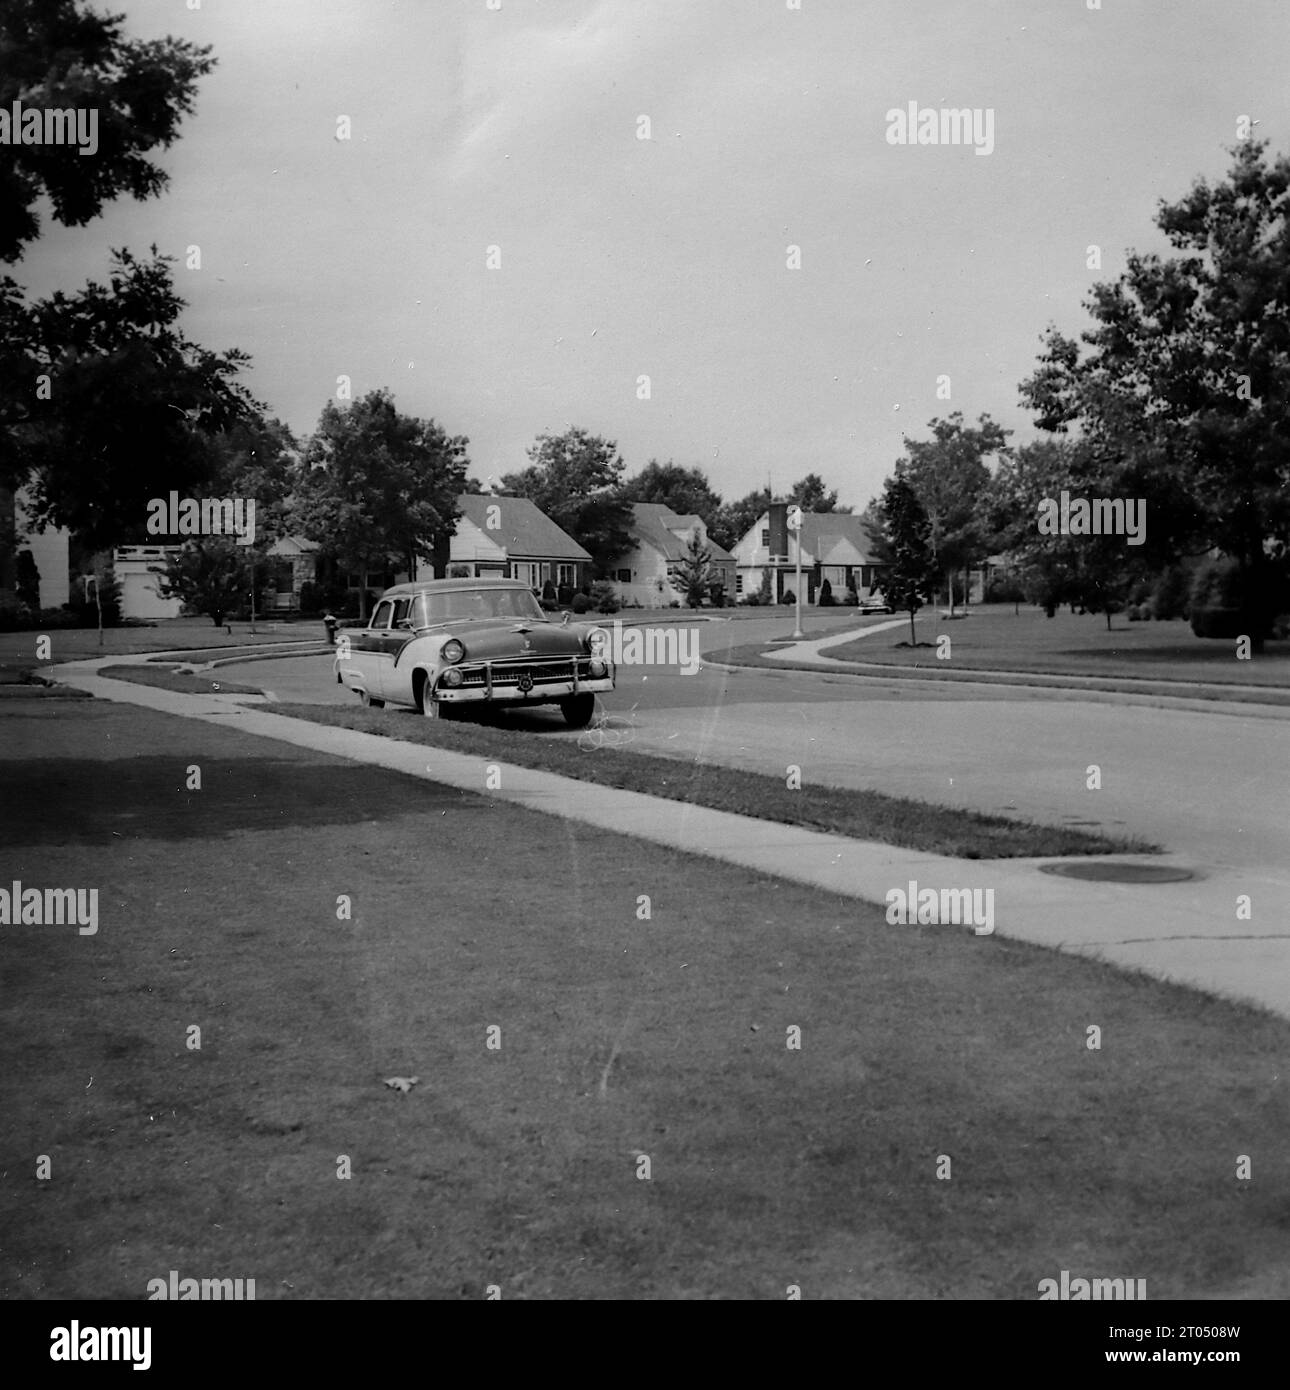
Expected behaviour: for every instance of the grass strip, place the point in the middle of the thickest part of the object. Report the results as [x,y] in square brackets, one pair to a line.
[859,815]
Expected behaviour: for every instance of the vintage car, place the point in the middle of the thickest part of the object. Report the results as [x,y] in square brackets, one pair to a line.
[875,603]
[445,643]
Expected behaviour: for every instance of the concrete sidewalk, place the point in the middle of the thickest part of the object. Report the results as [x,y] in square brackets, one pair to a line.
[1186,932]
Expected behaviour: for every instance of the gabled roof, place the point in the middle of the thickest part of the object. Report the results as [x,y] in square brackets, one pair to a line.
[522,527]
[657,524]
[831,538]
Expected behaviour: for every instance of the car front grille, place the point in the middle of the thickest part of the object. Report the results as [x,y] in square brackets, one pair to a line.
[506,674]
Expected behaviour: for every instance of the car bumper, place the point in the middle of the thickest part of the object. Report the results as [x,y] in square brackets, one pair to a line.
[542,693]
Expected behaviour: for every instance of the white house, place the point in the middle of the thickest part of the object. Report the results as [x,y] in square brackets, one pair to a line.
[836,546]
[647,573]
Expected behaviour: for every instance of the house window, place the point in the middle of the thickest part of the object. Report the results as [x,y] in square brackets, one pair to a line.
[765,536]
[623,576]
[568,575]
[739,583]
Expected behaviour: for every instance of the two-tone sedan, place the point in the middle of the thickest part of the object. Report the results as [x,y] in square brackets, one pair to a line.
[484,642]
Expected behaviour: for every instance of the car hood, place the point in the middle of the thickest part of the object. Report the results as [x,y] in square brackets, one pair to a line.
[494,639]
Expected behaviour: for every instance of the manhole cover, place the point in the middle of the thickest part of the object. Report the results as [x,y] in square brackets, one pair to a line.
[1108,871]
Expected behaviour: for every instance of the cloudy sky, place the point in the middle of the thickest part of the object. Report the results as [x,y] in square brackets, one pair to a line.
[667,257]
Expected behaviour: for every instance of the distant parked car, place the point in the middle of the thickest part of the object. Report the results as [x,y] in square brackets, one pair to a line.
[875,603]
[458,642]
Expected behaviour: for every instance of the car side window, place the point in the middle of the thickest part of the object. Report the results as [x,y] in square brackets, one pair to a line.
[381,617]
[401,607]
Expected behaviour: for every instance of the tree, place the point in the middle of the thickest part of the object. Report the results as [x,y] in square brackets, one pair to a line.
[576,479]
[734,520]
[59,56]
[874,524]
[686,490]
[694,571]
[211,575]
[949,474]
[1181,384]
[116,406]
[378,489]
[1095,572]
[811,495]
[911,579]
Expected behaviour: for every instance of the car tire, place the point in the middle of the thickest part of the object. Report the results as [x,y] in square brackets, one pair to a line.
[369,702]
[578,710]
[426,702]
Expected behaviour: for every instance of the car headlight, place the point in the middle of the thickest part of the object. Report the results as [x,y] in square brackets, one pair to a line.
[452,676]
[598,641]
[452,650]
[596,668]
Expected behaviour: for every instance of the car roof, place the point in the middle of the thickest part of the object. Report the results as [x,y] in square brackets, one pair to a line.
[448,586]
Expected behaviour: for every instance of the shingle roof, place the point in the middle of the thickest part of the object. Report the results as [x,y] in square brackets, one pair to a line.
[523,528]
[655,523]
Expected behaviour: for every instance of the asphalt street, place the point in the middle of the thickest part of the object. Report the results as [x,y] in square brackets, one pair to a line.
[1206,785]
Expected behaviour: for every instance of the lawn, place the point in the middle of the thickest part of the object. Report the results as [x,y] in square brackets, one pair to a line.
[859,815]
[620,1038]
[994,638]
[182,682]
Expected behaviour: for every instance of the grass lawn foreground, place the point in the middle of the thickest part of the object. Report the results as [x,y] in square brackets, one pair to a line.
[620,1038]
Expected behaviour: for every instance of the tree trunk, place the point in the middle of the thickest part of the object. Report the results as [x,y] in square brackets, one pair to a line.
[362,594]
[950,577]
[1108,618]
[913,640]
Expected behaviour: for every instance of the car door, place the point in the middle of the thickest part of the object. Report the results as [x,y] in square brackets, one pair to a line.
[370,649]
[396,669]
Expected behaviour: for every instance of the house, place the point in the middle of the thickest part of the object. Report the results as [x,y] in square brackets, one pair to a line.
[136,568]
[647,574]
[511,538]
[49,550]
[836,546]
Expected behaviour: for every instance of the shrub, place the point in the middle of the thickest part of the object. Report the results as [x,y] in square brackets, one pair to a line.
[604,597]
[1003,588]
[717,595]
[751,601]
[581,603]
[1217,584]
[564,595]
[851,599]
[789,596]
[826,599]
[1169,596]
[1134,613]
[27,580]
[458,571]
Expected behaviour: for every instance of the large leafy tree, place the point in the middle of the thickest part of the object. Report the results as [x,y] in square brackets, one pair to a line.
[378,489]
[1182,383]
[1093,571]
[735,519]
[910,580]
[686,490]
[948,472]
[59,54]
[812,495]
[108,404]
[210,575]
[576,479]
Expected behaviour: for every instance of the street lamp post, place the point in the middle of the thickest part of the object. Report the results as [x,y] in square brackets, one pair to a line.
[795,525]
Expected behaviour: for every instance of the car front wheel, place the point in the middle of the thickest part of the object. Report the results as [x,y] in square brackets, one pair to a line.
[429,705]
[578,710]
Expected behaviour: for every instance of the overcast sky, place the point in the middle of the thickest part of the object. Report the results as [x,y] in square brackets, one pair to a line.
[667,257]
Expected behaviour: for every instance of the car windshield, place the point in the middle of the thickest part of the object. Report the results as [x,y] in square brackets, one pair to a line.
[457,604]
